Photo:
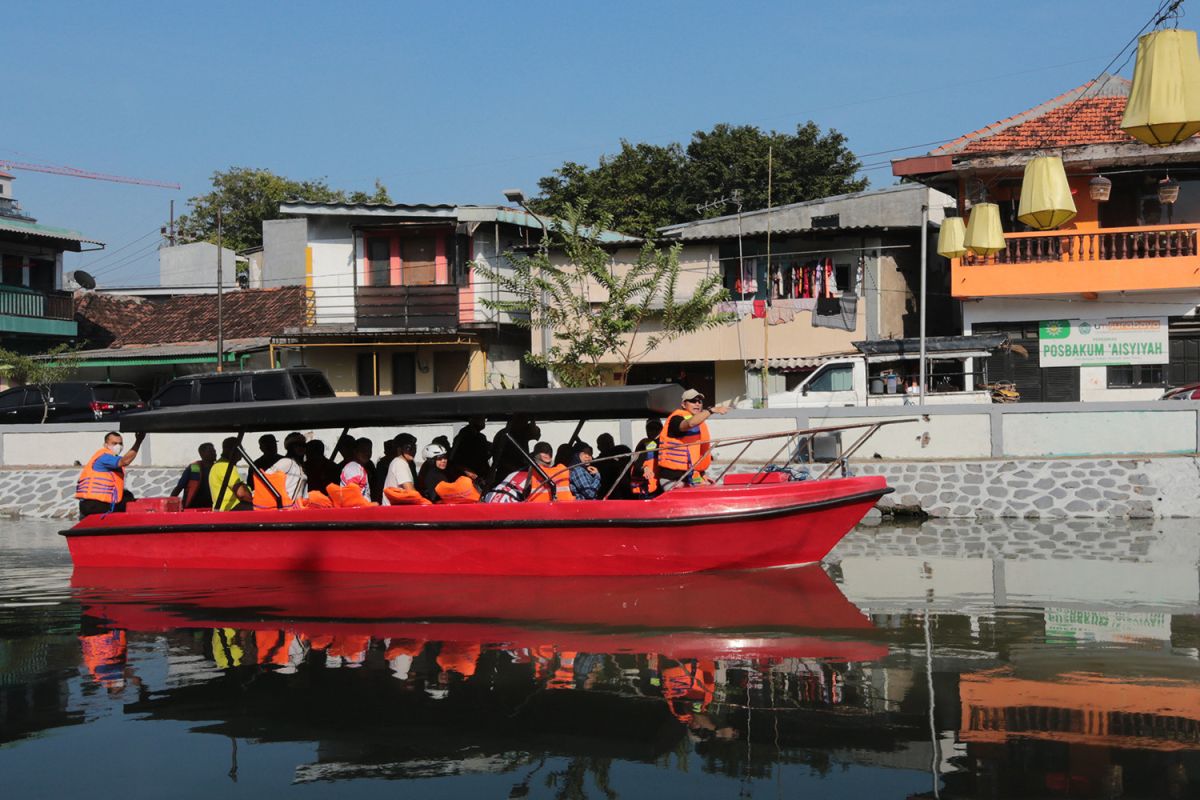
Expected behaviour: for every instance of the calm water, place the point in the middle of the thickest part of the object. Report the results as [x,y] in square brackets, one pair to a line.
[1010,660]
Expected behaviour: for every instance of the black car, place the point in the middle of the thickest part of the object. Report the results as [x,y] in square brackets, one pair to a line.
[288,383]
[70,401]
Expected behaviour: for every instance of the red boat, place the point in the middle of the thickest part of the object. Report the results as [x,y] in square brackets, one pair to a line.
[751,524]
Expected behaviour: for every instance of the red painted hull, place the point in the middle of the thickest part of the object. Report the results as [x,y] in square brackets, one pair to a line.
[690,530]
[793,612]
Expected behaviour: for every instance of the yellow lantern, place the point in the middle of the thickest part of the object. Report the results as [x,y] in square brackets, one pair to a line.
[984,234]
[1045,194]
[1164,103]
[950,238]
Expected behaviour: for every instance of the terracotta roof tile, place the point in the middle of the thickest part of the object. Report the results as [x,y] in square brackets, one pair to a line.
[248,313]
[105,318]
[1088,114]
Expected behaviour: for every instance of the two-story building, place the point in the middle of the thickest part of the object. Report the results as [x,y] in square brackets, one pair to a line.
[1104,307]
[395,304]
[35,313]
[805,281]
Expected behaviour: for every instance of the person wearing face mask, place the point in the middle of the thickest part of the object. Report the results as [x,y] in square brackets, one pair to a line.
[101,485]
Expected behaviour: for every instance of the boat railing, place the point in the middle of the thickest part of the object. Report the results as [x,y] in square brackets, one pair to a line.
[797,436]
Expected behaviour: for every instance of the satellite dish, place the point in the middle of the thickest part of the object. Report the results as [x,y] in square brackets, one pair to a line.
[84,279]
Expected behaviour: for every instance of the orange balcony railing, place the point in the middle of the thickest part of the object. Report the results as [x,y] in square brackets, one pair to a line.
[1100,260]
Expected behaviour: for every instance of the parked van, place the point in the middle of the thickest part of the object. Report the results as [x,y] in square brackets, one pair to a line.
[843,381]
[288,383]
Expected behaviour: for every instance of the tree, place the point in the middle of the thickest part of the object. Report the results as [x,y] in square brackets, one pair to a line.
[633,310]
[40,371]
[647,186]
[248,196]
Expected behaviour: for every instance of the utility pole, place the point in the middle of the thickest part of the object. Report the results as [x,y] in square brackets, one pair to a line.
[767,276]
[924,296]
[220,307]
[171,237]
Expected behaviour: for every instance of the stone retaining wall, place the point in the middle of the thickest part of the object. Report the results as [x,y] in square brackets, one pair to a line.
[987,489]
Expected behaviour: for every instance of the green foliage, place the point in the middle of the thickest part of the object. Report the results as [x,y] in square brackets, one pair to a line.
[248,196]
[600,315]
[55,365]
[646,186]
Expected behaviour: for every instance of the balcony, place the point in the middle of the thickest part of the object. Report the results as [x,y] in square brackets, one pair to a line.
[38,313]
[430,307]
[1151,257]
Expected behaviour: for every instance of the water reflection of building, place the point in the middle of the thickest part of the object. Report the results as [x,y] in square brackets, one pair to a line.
[34,695]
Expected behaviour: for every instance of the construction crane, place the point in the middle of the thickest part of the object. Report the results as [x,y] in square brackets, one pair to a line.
[75,172]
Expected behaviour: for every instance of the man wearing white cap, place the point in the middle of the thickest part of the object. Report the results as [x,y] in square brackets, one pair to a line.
[683,445]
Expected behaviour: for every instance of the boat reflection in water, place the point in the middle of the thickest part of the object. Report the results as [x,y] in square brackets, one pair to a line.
[403,676]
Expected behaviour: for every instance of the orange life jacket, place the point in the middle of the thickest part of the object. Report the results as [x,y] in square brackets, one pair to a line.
[688,452]
[404,497]
[404,647]
[349,496]
[318,500]
[460,491]
[264,500]
[104,656]
[107,487]
[271,647]
[560,476]
[459,657]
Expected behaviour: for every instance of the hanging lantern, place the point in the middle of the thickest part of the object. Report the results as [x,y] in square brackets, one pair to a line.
[950,238]
[984,234]
[1046,200]
[1168,191]
[1164,102]
[1099,188]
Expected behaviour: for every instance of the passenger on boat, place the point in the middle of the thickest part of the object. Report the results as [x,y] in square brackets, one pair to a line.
[399,487]
[558,472]
[471,446]
[291,465]
[585,477]
[433,471]
[357,471]
[195,479]
[643,477]
[683,445]
[379,476]
[101,485]
[513,488]
[229,491]
[343,452]
[505,457]
[463,489]
[269,446]
[318,469]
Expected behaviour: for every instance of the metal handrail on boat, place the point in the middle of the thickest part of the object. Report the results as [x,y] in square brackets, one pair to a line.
[872,428]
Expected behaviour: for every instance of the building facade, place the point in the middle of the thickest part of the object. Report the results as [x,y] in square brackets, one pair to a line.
[1103,308]
[395,301]
[35,313]
[805,280]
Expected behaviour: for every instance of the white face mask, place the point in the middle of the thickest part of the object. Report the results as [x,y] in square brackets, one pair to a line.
[116,449]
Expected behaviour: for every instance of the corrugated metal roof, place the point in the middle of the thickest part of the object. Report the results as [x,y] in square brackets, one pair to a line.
[34,229]
[794,363]
[893,207]
[178,352]
[460,213]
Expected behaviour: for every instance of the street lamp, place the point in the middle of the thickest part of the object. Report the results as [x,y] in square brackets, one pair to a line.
[518,197]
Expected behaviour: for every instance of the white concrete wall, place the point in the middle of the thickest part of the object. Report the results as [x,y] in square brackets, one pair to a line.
[1080,432]
[333,264]
[196,264]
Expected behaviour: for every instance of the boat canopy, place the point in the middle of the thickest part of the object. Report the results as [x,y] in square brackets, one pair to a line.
[618,402]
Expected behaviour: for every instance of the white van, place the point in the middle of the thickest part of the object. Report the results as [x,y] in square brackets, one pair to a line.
[843,382]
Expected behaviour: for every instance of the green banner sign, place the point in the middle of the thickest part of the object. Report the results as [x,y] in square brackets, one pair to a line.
[1100,342]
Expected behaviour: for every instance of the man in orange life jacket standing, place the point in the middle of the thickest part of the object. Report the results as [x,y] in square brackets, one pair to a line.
[683,445]
[101,485]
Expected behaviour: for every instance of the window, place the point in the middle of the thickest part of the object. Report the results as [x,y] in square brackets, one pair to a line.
[270,387]
[833,379]
[843,275]
[179,394]
[379,261]
[218,391]
[13,399]
[311,384]
[1135,375]
[116,394]
[418,260]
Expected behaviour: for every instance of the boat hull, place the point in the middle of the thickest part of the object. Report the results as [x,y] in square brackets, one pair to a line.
[688,530]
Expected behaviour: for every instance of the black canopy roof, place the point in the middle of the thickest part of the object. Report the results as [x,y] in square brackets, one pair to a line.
[620,402]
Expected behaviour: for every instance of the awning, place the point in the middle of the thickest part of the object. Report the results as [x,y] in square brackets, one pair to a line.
[797,363]
[175,353]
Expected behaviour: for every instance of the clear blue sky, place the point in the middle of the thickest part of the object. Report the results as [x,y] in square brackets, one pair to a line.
[455,102]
